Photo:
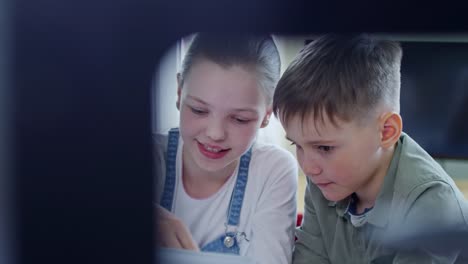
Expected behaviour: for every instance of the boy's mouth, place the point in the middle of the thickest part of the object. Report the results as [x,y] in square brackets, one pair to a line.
[323,184]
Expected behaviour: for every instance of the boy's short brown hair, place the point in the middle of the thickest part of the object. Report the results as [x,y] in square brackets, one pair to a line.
[344,77]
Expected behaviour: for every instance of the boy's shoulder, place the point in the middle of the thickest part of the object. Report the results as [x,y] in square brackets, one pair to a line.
[423,187]
[416,168]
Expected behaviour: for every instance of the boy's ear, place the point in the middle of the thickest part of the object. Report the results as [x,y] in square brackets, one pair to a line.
[179,90]
[266,119]
[391,127]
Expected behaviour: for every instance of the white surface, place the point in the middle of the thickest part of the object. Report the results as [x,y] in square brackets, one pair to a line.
[179,256]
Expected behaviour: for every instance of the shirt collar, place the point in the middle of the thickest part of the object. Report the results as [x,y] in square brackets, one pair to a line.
[341,206]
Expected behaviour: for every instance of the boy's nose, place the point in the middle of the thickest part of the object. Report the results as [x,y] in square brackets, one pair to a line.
[216,131]
[311,168]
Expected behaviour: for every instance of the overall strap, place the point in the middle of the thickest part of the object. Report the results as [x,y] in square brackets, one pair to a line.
[169,183]
[237,196]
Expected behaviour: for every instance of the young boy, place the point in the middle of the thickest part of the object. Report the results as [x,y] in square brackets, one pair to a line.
[368,182]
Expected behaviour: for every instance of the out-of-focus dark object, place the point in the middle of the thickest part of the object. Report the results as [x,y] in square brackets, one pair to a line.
[82,133]
[7,235]
[440,241]
[434,95]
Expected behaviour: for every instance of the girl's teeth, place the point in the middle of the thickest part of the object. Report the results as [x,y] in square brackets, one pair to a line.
[212,149]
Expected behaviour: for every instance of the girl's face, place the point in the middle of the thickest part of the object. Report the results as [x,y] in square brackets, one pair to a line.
[221,110]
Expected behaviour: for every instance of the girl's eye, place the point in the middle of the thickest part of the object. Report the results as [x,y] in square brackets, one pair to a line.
[241,120]
[198,111]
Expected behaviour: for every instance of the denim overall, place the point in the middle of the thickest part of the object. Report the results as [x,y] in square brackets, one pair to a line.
[228,242]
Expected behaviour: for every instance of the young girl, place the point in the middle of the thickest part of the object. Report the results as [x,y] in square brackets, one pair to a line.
[219,190]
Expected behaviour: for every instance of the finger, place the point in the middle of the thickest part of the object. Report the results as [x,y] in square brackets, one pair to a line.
[185,239]
[171,241]
[166,234]
[162,212]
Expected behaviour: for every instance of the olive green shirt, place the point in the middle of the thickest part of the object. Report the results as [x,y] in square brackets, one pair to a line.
[416,193]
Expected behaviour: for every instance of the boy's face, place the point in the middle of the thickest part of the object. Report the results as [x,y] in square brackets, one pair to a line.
[339,160]
[221,110]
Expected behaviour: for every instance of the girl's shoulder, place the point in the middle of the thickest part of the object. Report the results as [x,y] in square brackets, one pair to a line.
[271,152]
[272,159]
[160,140]
[272,165]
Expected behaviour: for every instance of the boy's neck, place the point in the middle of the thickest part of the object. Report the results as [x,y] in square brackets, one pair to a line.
[367,194]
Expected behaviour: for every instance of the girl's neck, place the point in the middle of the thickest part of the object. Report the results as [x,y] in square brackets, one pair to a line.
[201,184]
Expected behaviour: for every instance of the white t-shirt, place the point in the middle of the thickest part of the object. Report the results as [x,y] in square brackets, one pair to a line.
[268,214]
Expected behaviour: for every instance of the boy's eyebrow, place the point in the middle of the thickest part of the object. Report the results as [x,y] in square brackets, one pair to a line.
[315,142]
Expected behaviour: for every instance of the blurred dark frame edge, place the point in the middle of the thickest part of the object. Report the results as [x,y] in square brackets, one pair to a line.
[7,240]
[80,199]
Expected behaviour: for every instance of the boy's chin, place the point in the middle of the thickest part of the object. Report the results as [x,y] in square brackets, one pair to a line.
[334,197]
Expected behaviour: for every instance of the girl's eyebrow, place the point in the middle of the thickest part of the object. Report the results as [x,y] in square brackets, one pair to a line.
[196,99]
[199,100]
[251,110]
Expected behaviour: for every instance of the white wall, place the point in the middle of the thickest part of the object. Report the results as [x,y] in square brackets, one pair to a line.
[167,115]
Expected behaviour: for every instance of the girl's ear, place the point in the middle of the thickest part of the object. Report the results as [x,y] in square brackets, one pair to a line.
[266,119]
[391,127]
[179,90]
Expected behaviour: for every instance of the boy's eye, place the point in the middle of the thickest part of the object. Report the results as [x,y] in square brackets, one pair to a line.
[325,148]
[197,111]
[294,144]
